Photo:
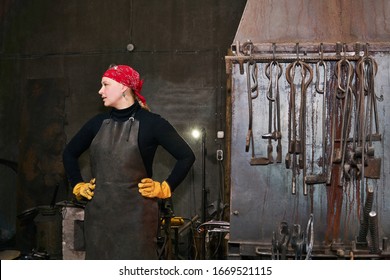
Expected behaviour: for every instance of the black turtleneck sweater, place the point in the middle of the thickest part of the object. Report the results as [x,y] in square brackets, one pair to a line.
[153,131]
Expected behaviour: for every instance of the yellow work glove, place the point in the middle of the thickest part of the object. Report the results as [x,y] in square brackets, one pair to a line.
[83,189]
[149,188]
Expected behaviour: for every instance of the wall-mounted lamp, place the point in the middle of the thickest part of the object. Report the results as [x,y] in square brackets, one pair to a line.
[196,133]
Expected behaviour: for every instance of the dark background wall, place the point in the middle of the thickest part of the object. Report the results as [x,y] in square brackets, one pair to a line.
[52,56]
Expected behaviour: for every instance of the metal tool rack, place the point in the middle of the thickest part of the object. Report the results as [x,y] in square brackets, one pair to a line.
[329,210]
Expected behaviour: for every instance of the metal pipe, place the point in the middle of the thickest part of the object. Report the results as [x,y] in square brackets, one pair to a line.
[188,224]
[204,191]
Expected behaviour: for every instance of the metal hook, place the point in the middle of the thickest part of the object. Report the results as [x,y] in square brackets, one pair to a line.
[297,50]
[319,64]
[247,48]
[304,69]
[254,87]
[349,75]
[269,70]
[366,49]
[344,51]
[273,51]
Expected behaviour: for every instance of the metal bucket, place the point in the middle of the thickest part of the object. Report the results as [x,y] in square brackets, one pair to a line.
[49,231]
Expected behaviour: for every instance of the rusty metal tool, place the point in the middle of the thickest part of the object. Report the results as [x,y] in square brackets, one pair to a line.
[249,137]
[297,241]
[297,141]
[321,178]
[279,151]
[367,165]
[360,126]
[309,238]
[332,141]
[273,71]
[345,74]
[284,240]
[270,101]
[290,159]
[307,77]
[252,92]
[252,74]
[367,67]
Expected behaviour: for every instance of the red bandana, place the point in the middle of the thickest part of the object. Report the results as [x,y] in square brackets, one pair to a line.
[126,76]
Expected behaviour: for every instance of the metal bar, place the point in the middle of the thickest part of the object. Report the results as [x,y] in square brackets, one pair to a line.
[263,58]
[306,52]
[204,192]
[312,47]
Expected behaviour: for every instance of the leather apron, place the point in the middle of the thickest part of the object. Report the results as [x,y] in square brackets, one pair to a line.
[119,222]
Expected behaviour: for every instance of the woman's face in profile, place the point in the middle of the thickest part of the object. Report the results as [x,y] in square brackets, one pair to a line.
[111,92]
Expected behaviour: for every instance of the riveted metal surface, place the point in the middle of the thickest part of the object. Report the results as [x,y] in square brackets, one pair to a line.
[261,195]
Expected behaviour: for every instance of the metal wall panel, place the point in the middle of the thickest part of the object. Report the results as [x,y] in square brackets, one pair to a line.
[261,195]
